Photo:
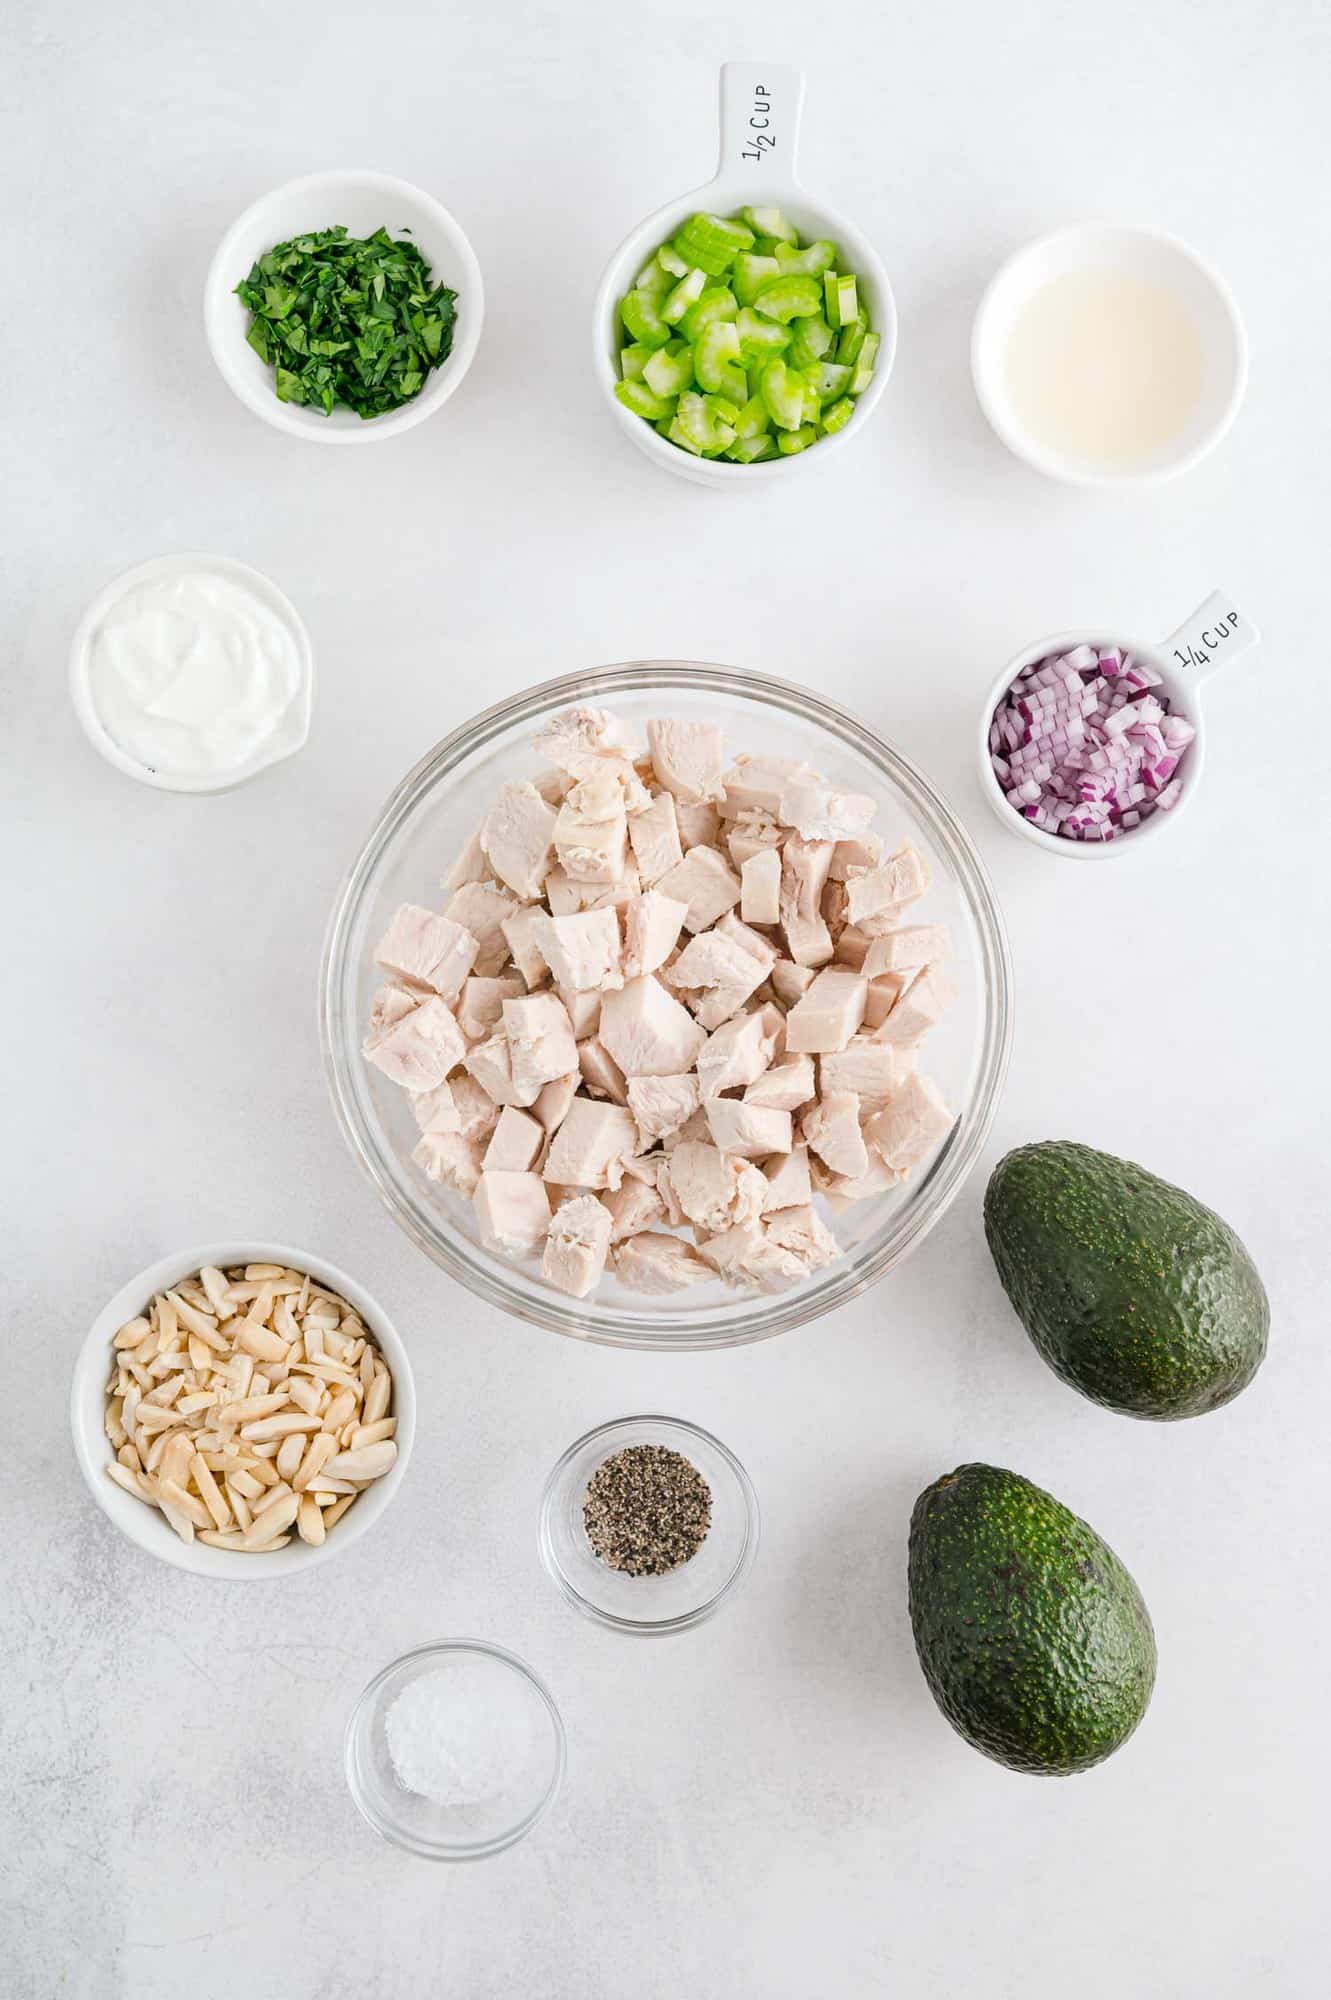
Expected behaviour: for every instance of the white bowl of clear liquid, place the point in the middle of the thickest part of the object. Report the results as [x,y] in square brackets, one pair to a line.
[1108,356]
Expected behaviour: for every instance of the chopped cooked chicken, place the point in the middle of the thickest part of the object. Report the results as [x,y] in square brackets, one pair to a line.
[686,757]
[516,1140]
[826,1017]
[799,1231]
[699,826]
[582,951]
[658,1264]
[436,1110]
[908,950]
[632,1207]
[705,883]
[480,1009]
[661,1104]
[755,784]
[451,1160]
[817,812]
[752,833]
[854,855]
[652,923]
[831,1129]
[785,1086]
[592,829]
[600,1072]
[804,866]
[654,838]
[583,1010]
[865,1066]
[522,932]
[390,1005]
[748,1129]
[647,1031]
[478,1114]
[735,1054]
[851,948]
[790,981]
[787,1176]
[882,997]
[910,1124]
[576,1246]
[760,886]
[920,1007]
[902,879]
[540,1042]
[567,897]
[840,1192]
[552,1103]
[591,1145]
[714,1190]
[490,1063]
[711,960]
[471,865]
[480,908]
[517,835]
[427,950]
[420,1048]
[512,1212]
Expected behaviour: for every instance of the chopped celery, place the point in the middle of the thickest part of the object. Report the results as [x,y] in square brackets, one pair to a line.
[842,303]
[783,394]
[643,321]
[636,396]
[833,378]
[682,295]
[760,336]
[791,296]
[741,342]
[813,341]
[770,222]
[800,440]
[811,261]
[864,367]
[712,242]
[715,302]
[754,419]
[851,339]
[670,369]
[715,346]
[746,450]
[749,273]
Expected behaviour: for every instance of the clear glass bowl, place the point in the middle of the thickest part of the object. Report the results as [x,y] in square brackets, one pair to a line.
[423,828]
[469,1832]
[649,1604]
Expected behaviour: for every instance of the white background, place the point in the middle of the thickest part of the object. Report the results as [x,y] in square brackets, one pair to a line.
[770,1806]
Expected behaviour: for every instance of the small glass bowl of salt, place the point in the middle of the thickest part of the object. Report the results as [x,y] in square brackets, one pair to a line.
[455,1751]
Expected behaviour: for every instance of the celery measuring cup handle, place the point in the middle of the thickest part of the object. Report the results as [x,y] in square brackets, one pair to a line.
[1216,633]
[761,104]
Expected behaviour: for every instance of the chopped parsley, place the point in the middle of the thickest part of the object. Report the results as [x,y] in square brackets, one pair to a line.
[348,319]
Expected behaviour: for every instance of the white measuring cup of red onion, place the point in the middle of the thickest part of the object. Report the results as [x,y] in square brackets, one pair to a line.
[1215,634]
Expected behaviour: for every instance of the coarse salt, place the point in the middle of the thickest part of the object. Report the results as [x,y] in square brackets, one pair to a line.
[461,1734]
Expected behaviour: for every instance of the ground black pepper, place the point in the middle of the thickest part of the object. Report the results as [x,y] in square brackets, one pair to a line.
[646,1510]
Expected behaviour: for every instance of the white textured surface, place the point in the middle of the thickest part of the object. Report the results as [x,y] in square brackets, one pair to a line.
[771,1805]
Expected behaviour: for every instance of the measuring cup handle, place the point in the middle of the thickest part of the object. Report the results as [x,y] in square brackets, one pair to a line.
[760,125]
[1216,633]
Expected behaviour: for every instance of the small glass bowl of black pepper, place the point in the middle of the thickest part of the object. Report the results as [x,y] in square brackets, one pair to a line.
[648,1524]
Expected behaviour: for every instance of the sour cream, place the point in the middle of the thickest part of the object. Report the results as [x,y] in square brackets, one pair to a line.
[194,675]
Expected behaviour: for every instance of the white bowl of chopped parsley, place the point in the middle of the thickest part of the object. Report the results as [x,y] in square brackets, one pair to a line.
[344,307]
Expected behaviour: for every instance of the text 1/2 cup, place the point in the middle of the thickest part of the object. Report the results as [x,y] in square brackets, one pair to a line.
[1215,634]
[761,105]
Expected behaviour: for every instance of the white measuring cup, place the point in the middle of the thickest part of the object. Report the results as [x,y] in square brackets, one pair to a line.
[761,105]
[1216,633]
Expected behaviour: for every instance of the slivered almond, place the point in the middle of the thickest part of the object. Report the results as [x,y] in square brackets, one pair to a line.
[263,1548]
[214,1284]
[252,1407]
[217,1540]
[268,1428]
[193,1510]
[257,1340]
[321,1449]
[338,1509]
[240,1506]
[373,1433]
[244,1482]
[126,1479]
[202,1324]
[133,1333]
[199,1351]
[377,1395]
[272,1499]
[290,1453]
[263,1271]
[305,1394]
[340,1411]
[370,1462]
[273,1521]
[310,1521]
[213,1498]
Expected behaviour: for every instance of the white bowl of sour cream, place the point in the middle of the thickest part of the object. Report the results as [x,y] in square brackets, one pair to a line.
[193,673]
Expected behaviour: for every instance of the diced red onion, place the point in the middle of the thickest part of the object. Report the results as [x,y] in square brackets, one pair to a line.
[1083,748]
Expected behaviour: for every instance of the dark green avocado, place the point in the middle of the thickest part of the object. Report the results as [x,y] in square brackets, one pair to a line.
[1132,1291]
[1033,1638]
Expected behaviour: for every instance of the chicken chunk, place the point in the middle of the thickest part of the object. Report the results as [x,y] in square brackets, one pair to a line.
[714,1190]
[490,1064]
[737,1053]
[705,883]
[436,1110]
[551,1106]
[420,1049]
[480,1010]
[480,908]
[748,1129]
[908,950]
[582,951]
[804,866]
[518,836]
[817,812]
[755,785]
[632,1207]
[654,838]
[787,1177]
[522,932]
[591,1145]
[427,950]
[910,1124]
[831,1129]
[576,1246]
[902,879]
[515,1142]
[600,1072]
[824,1020]
[661,1104]
[652,924]
[512,1212]
[647,1031]
[658,1264]
[920,1007]
[540,1042]
[866,1067]
[451,1160]
[760,886]
[686,757]
[592,829]
[785,1086]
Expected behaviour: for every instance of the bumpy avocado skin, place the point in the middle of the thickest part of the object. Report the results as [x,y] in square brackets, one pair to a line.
[1032,1635]
[1133,1291]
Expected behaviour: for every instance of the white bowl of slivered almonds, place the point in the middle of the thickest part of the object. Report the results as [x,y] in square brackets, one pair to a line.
[179,1430]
